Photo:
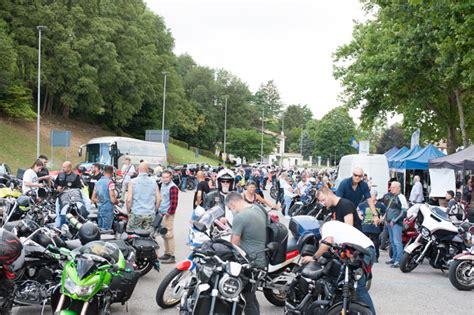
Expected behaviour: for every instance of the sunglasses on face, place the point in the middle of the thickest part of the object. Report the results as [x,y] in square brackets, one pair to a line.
[225,181]
[357,175]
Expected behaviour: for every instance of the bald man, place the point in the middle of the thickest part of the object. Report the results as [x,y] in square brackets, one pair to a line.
[143,199]
[67,179]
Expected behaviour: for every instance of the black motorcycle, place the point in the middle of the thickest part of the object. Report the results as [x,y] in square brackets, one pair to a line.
[328,286]
[222,273]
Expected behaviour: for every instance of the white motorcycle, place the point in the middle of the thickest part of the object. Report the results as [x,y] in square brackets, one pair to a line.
[439,240]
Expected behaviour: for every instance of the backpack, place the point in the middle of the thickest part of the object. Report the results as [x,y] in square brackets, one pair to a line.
[276,232]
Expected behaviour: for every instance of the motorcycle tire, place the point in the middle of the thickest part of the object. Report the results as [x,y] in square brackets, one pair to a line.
[190,185]
[273,193]
[174,275]
[457,271]
[355,309]
[276,298]
[408,261]
[144,267]
[295,210]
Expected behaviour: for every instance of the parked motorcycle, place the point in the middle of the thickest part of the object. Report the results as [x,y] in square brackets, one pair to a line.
[10,250]
[328,286]
[439,240]
[461,268]
[96,276]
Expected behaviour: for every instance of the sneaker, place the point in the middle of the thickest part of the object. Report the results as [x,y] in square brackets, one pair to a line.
[164,257]
[390,262]
[395,265]
[170,260]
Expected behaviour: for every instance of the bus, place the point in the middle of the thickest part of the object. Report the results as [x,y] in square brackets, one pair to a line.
[113,150]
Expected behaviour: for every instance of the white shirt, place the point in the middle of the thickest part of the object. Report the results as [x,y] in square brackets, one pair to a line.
[416,194]
[344,233]
[127,171]
[29,176]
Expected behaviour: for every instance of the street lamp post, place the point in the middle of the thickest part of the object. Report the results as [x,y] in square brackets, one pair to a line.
[164,106]
[225,127]
[261,144]
[38,119]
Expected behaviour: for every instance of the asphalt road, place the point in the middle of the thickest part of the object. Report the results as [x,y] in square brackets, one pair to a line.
[423,291]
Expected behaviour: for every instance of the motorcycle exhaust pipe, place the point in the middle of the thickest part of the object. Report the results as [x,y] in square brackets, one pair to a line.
[84,308]
[60,303]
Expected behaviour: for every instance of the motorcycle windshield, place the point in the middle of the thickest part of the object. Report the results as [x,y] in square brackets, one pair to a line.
[440,213]
[84,267]
[210,215]
[107,251]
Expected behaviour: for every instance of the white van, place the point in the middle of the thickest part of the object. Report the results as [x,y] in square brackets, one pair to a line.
[374,165]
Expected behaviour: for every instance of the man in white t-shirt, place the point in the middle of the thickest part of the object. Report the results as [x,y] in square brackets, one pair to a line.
[302,184]
[336,232]
[30,177]
[128,170]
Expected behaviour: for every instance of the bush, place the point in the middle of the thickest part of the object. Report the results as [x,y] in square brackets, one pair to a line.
[208,154]
[179,143]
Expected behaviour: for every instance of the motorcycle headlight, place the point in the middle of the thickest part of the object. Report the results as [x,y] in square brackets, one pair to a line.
[230,287]
[358,273]
[425,232]
[76,289]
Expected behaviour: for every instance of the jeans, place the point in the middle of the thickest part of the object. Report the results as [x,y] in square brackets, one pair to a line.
[105,218]
[395,234]
[184,181]
[287,203]
[375,238]
[362,292]
[251,306]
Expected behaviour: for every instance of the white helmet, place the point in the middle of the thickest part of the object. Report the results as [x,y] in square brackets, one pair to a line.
[225,174]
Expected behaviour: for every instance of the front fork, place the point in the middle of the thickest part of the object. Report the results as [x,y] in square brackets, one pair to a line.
[423,253]
[85,306]
[345,293]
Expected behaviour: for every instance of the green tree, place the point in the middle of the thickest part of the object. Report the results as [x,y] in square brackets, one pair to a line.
[247,143]
[296,116]
[333,134]
[267,99]
[416,59]
[393,136]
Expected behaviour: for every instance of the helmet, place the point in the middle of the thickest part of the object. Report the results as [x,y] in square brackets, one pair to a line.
[312,180]
[10,247]
[225,174]
[89,232]
[23,201]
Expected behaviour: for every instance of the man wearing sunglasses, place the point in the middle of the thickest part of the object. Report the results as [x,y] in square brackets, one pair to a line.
[356,190]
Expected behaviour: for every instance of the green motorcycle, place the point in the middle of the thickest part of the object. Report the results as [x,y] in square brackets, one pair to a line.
[96,276]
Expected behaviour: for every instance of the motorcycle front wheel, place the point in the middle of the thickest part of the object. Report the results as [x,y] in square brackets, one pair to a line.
[408,262]
[171,288]
[355,309]
[459,277]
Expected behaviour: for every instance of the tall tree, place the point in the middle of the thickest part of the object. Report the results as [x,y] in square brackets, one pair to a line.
[247,143]
[296,116]
[267,99]
[415,59]
[393,136]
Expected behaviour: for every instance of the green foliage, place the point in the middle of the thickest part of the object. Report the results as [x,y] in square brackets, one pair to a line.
[296,116]
[267,100]
[247,143]
[415,59]
[393,136]
[179,143]
[333,134]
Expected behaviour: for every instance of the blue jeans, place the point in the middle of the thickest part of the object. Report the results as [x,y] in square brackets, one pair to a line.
[362,292]
[395,234]
[105,218]
[184,181]
[287,204]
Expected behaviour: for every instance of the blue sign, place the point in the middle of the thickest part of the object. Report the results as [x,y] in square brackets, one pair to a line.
[60,138]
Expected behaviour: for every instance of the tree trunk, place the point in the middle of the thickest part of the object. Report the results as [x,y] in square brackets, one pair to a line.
[451,141]
[465,140]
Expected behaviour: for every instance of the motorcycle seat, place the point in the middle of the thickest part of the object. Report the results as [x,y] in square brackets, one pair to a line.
[73,244]
[106,231]
[141,232]
[313,271]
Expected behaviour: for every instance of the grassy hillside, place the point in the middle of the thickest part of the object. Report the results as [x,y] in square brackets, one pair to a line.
[18,143]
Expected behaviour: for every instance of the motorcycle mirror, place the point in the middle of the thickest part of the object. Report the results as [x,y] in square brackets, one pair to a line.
[201,227]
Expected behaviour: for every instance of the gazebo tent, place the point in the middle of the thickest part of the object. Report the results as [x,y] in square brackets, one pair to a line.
[397,162]
[419,161]
[462,160]
[391,152]
[397,154]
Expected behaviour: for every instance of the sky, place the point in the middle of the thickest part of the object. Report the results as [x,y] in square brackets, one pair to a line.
[290,42]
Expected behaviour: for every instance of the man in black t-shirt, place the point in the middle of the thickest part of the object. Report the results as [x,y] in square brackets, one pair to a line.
[67,178]
[43,174]
[201,190]
[95,176]
[184,177]
[343,209]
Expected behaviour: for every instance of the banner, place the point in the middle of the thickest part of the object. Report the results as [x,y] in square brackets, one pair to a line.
[364,147]
[354,143]
[415,138]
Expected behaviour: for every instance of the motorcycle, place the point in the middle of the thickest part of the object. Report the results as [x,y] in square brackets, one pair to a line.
[439,240]
[222,273]
[328,286]
[96,276]
[304,230]
[461,268]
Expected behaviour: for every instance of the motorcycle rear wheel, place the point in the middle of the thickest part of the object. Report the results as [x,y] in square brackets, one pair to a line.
[275,297]
[144,267]
[273,193]
[295,210]
[355,309]
[458,275]
[408,261]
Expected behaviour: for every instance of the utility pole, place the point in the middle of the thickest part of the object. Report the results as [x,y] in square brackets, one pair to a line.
[164,106]
[38,119]
[301,143]
[225,127]
[261,144]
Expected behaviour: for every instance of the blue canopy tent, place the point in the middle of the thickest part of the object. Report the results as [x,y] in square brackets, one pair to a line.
[391,152]
[420,160]
[396,162]
[400,152]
